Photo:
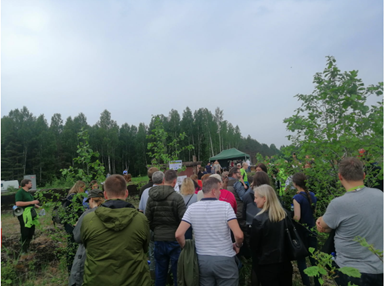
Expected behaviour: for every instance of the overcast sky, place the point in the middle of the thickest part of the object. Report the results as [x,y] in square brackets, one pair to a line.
[138,58]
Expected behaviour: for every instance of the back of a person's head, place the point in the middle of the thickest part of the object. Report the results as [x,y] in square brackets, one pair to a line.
[170,176]
[232,171]
[194,177]
[272,205]
[262,167]
[210,184]
[351,169]
[115,186]
[187,187]
[76,187]
[300,180]
[128,177]
[261,178]
[151,171]
[204,178]
[158,177]
[217,176]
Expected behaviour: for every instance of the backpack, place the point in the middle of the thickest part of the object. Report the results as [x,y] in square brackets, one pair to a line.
[59,211]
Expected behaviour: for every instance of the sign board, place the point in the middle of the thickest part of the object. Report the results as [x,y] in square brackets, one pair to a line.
[175,165]
[180,180]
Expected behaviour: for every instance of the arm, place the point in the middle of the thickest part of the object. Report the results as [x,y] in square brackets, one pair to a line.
[240,190]
[141,205]
[149,214]
[246,201]
[25,204]
[181,208]
[256,235]
[322,226]
[76,230]
[180,233]
[237,233]
[296,210]
[148,238]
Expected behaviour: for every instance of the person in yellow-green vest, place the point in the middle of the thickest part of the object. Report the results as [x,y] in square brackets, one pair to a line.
[28,219]
[244,174]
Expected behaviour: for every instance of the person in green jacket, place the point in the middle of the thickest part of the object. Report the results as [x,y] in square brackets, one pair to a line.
[116,238]
[25,200]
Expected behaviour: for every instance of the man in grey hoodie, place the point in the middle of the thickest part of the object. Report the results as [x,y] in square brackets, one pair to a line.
[165,209]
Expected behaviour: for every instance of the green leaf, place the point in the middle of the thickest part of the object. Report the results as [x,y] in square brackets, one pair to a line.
[350,271]
[311,250]
[321,281]
[312,271]
[322,270]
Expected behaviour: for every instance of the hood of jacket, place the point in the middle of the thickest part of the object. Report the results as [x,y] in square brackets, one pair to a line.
[160,193]
[116,214]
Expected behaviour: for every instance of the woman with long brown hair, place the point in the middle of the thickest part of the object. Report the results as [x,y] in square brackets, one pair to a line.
[304,207]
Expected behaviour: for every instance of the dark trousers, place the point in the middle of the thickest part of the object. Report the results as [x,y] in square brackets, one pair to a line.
[301,264]
[276,274]
[166,251]
[365,279]
[26,234]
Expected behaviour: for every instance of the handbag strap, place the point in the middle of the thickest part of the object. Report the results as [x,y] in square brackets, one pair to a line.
[189,200]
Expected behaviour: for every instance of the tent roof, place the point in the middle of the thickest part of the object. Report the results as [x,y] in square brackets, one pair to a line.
[232,153]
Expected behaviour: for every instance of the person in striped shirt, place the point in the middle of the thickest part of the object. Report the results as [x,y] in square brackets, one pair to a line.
[212,220]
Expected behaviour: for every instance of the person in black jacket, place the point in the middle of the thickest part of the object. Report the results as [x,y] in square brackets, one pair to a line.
[165,209]
[267,240]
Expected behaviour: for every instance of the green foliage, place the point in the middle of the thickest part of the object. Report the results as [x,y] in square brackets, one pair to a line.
[334,122]
[158,148]
[30,145]
[92,168]
[325,269]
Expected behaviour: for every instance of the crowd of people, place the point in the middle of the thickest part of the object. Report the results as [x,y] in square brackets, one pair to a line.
[198,234]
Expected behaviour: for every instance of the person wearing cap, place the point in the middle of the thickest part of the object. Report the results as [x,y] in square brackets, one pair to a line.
[95,199]
[25,200]
[116,237]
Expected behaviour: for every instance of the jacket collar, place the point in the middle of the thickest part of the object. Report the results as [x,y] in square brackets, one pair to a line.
[117,204]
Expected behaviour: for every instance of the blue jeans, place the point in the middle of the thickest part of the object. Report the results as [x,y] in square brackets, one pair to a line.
[301,264]
[165,251]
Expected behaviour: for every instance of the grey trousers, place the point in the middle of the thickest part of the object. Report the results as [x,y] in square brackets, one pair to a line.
[218,270]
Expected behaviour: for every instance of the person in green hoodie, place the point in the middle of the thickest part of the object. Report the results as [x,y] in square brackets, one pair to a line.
[116,238]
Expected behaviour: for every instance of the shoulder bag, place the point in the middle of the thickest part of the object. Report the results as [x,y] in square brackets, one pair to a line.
[294,245]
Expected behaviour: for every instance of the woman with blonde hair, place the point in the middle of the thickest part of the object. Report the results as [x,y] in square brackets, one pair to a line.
[95,199]
[188,193]
[273,267]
